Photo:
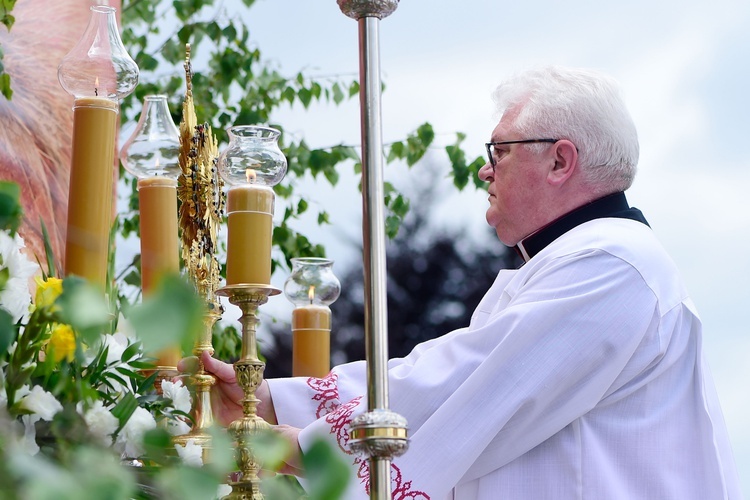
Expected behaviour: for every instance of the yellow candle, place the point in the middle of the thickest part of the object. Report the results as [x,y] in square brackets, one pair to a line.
[90,195]
[157,197]
[250,228]
[159,246]
[311,341]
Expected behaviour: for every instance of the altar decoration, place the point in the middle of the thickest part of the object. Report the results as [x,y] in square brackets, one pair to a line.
[98,72]
[311,287]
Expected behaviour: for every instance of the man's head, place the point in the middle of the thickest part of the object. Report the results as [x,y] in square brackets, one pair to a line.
[585,146]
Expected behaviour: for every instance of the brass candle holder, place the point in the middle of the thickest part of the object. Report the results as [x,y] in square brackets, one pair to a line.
[249,369]
[201,381]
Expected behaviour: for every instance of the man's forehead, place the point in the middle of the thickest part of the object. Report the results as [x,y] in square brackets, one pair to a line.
[504,126]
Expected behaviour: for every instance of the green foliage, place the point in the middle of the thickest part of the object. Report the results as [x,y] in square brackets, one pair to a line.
[171,316]
[460,170]
[11,213]
[6,19]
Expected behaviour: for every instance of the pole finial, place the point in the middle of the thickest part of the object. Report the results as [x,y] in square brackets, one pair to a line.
[357,9]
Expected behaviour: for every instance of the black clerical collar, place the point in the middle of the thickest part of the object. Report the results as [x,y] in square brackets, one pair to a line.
[612,205]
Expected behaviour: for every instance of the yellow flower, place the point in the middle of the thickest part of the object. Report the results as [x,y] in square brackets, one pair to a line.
[62,343]
[47,291]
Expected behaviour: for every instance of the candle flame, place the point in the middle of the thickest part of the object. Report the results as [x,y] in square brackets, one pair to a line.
[157,163]
[250,175]
[311,293]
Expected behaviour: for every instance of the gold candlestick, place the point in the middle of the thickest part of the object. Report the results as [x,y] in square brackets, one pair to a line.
[249,369]
[201,381]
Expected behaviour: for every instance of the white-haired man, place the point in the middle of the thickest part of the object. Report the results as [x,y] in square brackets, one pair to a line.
[581,374]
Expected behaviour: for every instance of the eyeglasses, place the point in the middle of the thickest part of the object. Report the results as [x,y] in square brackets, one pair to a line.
[491,147]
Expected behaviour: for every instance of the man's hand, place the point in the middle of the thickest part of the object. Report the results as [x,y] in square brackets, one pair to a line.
[226,394]
[293,461]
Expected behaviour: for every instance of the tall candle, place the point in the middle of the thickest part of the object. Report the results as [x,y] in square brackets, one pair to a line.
[311,341]
[159,246]
[90,206]
[250,229]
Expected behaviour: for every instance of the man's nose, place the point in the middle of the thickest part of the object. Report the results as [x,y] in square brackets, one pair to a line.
[486,172]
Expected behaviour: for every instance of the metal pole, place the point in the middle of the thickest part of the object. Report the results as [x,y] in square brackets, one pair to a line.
[379,434]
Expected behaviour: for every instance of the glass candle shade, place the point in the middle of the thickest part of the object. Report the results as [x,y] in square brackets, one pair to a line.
[251,165]
[311,287]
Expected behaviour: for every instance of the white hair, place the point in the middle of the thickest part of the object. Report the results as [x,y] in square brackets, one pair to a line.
[582,106]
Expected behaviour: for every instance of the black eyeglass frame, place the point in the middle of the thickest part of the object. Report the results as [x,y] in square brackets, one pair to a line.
[489,145]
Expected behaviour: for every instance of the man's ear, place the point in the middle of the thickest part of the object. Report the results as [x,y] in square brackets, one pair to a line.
[566,162]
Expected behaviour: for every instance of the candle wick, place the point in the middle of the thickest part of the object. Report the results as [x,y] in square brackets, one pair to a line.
[96,92]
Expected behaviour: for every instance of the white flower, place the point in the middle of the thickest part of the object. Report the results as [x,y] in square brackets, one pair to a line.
[117,344]
[130,438]
[28,441]
[177,427]
[16,297]
[178,393]
[41,403]
[100,422]
[191,454]
[126,329]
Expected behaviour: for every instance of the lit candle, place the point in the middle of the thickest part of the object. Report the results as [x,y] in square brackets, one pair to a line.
[97,72]
[90,206]
[250,230]
[311,339]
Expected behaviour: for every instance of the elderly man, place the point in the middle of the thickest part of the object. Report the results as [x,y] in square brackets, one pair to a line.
[581,374]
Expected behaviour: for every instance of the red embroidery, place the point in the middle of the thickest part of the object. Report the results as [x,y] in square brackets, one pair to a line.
[340,419]
[340,416]
[400,489]
[326,392]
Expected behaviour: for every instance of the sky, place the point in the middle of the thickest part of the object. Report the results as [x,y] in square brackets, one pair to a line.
[683,66]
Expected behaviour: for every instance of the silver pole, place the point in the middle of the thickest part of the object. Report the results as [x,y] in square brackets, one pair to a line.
[378,434]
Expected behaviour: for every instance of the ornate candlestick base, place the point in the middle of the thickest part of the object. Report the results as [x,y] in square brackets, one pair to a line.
[249,370]
[202,413]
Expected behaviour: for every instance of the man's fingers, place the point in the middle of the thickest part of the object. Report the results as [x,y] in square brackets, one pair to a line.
[221,370]
[188,365]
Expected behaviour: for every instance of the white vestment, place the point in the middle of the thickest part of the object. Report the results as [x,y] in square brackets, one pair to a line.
[580,376]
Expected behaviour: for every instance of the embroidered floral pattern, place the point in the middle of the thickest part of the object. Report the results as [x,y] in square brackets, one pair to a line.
[326,393]
[340,416]
[340,419]
[400,489]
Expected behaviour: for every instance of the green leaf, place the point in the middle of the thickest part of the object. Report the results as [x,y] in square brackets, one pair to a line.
[125,408]
[327,473]
[11,212]
[5,87]
[7,332]
[48,252]
[173,315]
[301,206]
[392,225]
[84,307]
[305,96]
